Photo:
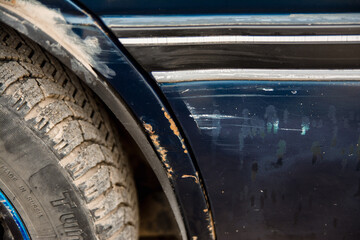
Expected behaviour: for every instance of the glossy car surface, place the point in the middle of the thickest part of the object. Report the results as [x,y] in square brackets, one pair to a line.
[247,110]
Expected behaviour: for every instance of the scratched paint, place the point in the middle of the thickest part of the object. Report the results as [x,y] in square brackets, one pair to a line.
[277,167]
[250,126]
[305,125]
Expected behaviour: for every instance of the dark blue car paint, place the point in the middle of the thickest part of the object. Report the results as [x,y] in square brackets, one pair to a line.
[133,97]
[281,160]
[140,7]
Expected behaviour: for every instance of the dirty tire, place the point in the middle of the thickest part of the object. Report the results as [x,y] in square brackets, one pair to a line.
[61,164]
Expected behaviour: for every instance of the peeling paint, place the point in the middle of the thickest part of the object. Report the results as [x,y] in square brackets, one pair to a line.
[174,129]
[161,150]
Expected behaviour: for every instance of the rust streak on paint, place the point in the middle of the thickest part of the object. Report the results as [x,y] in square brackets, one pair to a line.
[174,128]
[161,150]
[207,211]
[172,123]
[191,176]
[211,226]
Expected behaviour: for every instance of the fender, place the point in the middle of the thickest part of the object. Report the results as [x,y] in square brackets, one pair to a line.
[82,42]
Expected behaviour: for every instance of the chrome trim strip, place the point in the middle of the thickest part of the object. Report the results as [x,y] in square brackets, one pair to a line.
[161,41]
[258,74]
[224,20]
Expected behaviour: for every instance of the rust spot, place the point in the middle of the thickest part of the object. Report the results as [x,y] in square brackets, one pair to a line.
[207,211]
[161,150]
[211,224]
[172,123]
[174,128]
[183,146]
[191,176]
[148,127]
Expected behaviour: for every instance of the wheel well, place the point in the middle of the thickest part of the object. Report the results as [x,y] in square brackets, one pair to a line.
[160,221]
[156,217]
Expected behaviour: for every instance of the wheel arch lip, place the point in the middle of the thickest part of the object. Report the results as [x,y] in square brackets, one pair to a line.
[82,43]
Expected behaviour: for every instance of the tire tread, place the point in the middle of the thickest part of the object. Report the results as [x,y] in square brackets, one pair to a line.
[54,103]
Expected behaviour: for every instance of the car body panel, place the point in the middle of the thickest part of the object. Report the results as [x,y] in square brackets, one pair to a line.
[259,98]
[280,159]
[81,42]
[158,7]
[236,156]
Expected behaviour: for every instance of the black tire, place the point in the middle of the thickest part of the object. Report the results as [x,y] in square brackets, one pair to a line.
[61,164]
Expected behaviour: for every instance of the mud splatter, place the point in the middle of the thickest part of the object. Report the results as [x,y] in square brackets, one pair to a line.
[53,22]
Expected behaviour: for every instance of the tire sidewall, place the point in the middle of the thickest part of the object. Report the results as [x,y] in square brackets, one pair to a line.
[35,183]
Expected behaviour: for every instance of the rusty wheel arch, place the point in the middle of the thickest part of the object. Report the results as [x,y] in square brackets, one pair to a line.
[73,51]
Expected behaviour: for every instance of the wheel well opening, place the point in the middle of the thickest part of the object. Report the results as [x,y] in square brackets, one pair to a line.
[157,220]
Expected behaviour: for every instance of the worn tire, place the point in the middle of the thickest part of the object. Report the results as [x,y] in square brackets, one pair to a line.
[61,164]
